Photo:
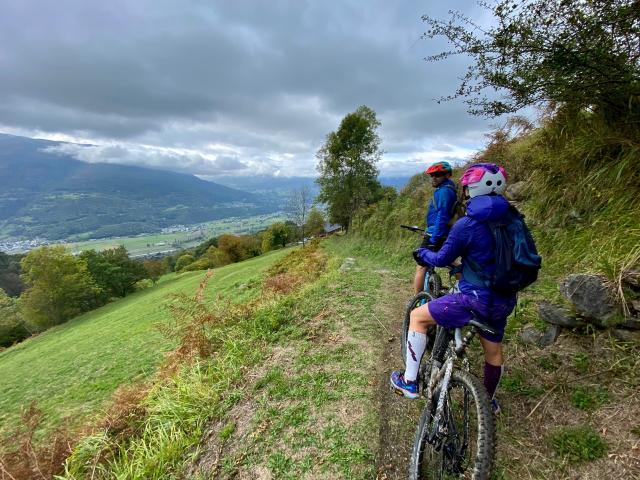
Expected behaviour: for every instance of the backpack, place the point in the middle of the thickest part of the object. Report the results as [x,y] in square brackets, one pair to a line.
[516,257]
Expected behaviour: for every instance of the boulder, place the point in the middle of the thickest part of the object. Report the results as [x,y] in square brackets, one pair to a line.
[628,336]
[515,191]
[590,296]
[556,315]
[533,336]
[635,304]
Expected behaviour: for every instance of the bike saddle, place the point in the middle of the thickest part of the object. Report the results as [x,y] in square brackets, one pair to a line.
[483,327]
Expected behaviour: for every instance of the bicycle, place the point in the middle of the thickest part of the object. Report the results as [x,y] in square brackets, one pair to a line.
[456,432]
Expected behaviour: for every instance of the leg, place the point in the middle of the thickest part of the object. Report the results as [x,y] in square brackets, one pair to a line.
[418,281]
[493,362]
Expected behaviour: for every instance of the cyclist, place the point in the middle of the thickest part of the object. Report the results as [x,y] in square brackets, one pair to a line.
[472,240]
[438,214]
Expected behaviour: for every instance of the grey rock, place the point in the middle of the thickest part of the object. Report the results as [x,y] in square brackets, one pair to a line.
[635,304]
[630,323]
[556,315]
[515,191]
[632,278]
[533,336]
[629,336]
[243,286]
[590,296]
[347,264]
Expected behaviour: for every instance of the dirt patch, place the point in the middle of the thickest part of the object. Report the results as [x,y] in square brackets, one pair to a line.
[398,415]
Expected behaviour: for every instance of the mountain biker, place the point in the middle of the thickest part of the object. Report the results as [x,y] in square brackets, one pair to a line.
[438,214]
[471,239]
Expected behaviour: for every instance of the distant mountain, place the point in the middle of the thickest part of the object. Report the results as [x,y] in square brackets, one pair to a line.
[55,196]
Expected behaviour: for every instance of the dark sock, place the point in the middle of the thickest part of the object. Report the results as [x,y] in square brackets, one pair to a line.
[492,376]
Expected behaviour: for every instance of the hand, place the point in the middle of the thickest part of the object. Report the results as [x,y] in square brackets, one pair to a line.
[417,256]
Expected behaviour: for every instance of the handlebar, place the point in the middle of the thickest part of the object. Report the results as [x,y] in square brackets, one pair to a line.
[413,228]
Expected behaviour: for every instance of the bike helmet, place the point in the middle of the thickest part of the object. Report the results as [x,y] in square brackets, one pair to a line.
[439,167]
[484,179]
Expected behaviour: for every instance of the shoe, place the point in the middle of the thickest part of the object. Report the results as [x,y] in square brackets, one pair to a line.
[402,387]
[495,406]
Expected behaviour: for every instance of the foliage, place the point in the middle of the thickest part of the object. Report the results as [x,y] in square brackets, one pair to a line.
[238,247]
[60,286]
[315,222]
[12,325]
[347,166]
[183,261]
[578,444]
[10,280]
[582,54]
[154,268]
[113,271]
[276,236]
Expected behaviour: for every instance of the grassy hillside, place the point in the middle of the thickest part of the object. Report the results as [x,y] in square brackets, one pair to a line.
[71,369]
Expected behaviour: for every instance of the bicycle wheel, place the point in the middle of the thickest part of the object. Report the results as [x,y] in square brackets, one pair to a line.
[466,448]
[420,299]
[434,284]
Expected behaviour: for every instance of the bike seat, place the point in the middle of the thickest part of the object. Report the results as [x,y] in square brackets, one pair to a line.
[483,327]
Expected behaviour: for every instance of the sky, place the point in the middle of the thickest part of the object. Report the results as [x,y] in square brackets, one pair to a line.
[217,87]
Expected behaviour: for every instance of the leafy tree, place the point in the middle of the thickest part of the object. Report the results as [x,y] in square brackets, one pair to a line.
[581,54]
[216,257]
[183,261]
[12,326]
[298,207]
[10,280]
[60,286]
[347,165]
[113,271]
[154,268]
[315,222]
[170,262]
[238,247]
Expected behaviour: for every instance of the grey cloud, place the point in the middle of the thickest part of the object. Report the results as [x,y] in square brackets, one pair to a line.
[266,80]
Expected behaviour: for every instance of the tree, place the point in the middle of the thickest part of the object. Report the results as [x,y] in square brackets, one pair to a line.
[183,261]
[60,286]
[154,268]
[581,54]
[113,271]
[12,325]
[315,222]
[10,280]
[298,208]
[347,166]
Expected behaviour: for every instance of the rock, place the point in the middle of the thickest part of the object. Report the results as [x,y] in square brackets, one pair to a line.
[556,315]
[590,296]
[635,304]
[515,191]
[628,336]
[243,286]
[347,264]
[533,336]
[632,278]
[630,323]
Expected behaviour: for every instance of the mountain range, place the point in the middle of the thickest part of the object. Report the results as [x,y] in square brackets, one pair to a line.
[45,194]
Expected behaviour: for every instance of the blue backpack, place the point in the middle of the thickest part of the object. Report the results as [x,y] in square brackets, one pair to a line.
[516,257]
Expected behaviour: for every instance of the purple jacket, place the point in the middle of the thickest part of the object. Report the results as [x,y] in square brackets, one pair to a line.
[471,238]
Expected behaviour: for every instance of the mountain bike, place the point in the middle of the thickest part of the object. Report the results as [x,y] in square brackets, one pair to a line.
[455,437]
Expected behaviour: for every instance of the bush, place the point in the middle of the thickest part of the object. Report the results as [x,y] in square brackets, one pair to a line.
[12,325]
[183,261]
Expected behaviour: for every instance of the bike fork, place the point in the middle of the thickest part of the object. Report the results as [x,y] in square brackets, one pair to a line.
[435,430]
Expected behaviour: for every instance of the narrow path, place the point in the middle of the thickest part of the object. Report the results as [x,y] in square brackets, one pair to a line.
[398,416]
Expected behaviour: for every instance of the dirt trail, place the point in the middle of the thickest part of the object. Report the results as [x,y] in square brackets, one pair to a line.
[398,416]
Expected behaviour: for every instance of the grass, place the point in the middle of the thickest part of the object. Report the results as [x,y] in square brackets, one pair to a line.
[70,370]
[578,444]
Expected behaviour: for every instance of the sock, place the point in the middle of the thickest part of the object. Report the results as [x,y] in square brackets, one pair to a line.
[492,376]
[416,344]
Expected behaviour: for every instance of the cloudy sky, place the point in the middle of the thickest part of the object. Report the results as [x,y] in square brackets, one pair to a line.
[217,87]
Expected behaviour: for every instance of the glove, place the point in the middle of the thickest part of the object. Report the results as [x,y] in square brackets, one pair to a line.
[417,256]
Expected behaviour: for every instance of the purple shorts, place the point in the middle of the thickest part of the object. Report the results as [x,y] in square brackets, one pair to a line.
[457,309]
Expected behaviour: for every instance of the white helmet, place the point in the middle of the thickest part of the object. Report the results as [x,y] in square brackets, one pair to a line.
[484,179]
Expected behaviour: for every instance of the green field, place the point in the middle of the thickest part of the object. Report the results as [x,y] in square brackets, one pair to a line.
[161,242]
[70,370]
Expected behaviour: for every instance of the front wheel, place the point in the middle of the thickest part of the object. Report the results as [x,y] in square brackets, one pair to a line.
[420,299]
[466,444]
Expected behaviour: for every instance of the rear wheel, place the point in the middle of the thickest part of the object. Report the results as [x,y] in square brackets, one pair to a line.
[465,448]
[417,301]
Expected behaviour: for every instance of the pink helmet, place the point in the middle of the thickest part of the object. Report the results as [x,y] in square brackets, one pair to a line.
[484,179]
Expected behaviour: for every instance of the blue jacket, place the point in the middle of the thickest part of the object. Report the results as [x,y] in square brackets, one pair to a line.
[440,211]
[471,238]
